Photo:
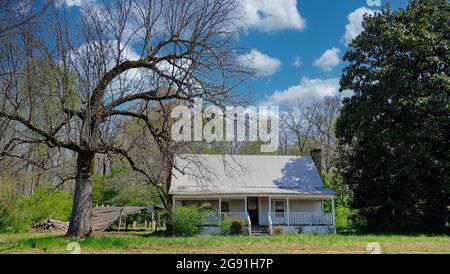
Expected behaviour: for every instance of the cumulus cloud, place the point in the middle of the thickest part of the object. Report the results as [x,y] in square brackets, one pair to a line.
[354,26]
[272,15]
[306,90]
[262,64]
[73,2]
[328,60]
[297,62]
[262,15]
[69,3]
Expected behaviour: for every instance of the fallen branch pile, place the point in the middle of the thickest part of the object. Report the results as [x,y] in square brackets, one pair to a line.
[51,224]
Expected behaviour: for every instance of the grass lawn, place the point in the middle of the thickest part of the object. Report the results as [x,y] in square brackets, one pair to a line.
[145,242]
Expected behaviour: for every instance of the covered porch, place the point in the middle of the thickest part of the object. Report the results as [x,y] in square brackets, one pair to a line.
[266,210]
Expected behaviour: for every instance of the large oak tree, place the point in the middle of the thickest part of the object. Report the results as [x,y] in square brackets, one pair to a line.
[119,61]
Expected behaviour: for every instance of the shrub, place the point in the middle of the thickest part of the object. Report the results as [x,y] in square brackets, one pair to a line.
[205,207]
[342,217]
[278,230]
[186,221]
[43,204]
[236,226]
[225,224]
[18,215]
[4,216]
[231,225]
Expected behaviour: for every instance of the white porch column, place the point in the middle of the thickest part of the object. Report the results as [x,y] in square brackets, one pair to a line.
[173,202]
[287,208]
[245,204]
[332,208]
[270,207]
[220,206]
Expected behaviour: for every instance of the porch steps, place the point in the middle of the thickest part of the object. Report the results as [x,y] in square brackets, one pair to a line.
[260,230]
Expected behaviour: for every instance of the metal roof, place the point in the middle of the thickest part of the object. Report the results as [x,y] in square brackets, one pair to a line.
[246,174]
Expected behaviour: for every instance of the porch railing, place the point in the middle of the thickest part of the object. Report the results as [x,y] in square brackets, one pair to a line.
[212,218]
[301,218]
[269,220]
[277,218]
[249,225]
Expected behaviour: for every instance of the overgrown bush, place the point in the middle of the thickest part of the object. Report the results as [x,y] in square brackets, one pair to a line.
[225,224]
[278,230]
[4,216]
[114,189]
[236,226]
[18,215]
[231,225]
[186,221]
[343,217]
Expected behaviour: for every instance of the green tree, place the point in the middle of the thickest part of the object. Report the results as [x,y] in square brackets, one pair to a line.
[394,132]
[19,213]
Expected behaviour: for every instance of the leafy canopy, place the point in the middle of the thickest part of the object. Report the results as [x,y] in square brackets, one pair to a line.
[394,132]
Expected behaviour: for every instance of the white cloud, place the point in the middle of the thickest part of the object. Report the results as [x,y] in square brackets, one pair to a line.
[73,2]
[306,90]
[372,3]
[272,15]
[262,15]
[69,3]
[297,62]
[354,26]
[262,64]
[328,60]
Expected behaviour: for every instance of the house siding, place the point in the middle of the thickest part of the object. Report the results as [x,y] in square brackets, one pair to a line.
[236,205]
[213,203]
[263,210]
[300,205]
[305,206]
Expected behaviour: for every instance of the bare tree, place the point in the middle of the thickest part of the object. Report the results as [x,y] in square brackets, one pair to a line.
[298,123]
[285,136]
[16,14]
[30,161]
[323,121]
[91,76]
[311,124]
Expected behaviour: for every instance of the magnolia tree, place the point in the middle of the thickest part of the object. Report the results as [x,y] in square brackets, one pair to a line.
[72,86]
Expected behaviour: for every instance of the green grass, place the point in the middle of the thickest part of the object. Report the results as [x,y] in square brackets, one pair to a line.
[142,242]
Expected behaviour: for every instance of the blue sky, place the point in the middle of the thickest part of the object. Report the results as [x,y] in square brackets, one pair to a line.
[296,46]
[325,29]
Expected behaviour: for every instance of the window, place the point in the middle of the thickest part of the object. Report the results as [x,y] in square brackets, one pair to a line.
[252,203]
[279,206]
[225,206]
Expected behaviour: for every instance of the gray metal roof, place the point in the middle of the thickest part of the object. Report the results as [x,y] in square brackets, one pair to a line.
[246,174]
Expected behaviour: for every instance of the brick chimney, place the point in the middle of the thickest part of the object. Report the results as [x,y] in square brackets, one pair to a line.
[316,155]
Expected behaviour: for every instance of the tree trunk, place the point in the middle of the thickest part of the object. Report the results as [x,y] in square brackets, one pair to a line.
[80,225]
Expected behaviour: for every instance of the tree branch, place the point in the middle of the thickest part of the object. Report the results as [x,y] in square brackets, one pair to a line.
[51,138]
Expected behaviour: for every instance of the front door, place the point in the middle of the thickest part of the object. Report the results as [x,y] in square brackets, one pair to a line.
[252,208]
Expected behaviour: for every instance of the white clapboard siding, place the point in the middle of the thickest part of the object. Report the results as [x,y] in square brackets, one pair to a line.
[305,206]
[236,205]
